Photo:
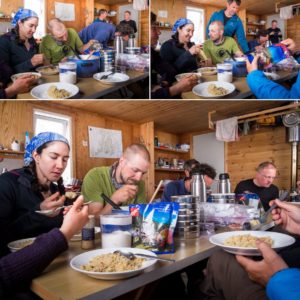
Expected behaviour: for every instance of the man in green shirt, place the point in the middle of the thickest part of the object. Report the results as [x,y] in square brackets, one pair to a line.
[62,42]
[220,47]
[122,181]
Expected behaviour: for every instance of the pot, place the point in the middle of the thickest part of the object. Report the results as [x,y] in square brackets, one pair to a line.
[239,68]
[87,68]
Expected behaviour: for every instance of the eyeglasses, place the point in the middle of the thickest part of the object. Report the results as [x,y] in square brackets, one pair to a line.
[268,177]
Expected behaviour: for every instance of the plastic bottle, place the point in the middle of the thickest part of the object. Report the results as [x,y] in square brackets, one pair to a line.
[27,139]
[88,234]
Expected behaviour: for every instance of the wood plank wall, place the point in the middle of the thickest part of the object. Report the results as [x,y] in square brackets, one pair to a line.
[293,28]
[7,7]
[23,111]
[265,144]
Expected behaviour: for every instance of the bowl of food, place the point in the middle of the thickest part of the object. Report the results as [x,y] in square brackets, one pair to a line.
[207,71]
[35,76]
[48,70]
[178,77]
[20,244]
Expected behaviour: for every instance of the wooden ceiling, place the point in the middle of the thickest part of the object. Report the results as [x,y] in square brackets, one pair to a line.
[112,2]
[172,116]
[264,7]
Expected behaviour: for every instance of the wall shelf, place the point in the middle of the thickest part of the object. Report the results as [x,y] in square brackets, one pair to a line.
[168,170]
[170,150]
[11,152]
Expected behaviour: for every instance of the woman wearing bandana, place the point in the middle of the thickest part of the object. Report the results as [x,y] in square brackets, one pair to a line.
[36,186]
[179,51]
[18,47]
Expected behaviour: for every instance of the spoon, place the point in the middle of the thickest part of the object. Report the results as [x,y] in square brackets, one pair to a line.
[51,211]
[131,256]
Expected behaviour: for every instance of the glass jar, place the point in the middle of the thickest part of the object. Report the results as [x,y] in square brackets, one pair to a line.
[67,72]
[88,234]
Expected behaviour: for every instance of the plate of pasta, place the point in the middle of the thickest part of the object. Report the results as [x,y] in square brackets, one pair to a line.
[54,90]
[20,244]
[107,265]
[213,89]
[244,242]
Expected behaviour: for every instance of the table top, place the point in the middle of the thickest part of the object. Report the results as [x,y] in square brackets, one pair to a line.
[89,88]
[60,281]
[242,89]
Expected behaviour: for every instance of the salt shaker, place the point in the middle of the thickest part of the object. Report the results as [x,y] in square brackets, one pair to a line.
[88,234]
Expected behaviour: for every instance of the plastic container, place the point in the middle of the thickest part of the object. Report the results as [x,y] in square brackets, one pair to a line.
[224,72]
[116,230]
[239,67]
[88,234]
[87,67]
[67,72]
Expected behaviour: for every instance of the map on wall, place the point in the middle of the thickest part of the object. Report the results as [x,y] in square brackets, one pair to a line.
[65,11]
[105,143]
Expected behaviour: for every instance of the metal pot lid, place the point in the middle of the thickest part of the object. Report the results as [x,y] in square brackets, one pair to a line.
[291,119]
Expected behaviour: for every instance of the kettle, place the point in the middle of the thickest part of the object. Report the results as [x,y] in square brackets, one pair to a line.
[198,187]
[224,184]
[119,46]
[131,41]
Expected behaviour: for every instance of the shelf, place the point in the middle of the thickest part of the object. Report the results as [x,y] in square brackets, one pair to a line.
[8,152]
[169,170]
[165,27]
[255,24]
[170,150]
[5,19]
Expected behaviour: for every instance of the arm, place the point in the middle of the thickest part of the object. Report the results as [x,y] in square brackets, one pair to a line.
[134,26]
[44,50]
[240,34]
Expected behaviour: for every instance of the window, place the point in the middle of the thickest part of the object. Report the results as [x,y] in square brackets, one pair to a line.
[48,121]
[196,15]
[38,6]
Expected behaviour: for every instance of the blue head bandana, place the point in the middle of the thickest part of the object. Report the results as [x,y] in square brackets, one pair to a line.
[39,140]
[181,22]
[21,14]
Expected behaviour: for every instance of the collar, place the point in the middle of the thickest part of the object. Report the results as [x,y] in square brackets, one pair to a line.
[112,173]
[219,42]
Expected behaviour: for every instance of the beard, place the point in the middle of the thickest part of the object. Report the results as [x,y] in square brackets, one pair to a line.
[129,180]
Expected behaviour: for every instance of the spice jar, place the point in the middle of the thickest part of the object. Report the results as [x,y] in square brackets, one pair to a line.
[88,234]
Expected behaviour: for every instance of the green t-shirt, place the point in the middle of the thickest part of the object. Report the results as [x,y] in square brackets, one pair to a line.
[54,52]
[98,181]
[218,53]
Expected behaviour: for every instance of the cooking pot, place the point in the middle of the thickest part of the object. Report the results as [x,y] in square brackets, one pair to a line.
[87,67]
[239,68]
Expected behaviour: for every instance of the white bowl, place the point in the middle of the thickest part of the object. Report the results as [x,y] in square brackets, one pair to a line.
[36,76]
[178,77]
[20,244]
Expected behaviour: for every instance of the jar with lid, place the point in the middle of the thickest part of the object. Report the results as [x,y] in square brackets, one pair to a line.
[67,72]
[88,234]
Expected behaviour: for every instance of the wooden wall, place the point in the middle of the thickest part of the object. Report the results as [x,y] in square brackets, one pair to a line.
[293,28]
[7,7]
[22,111]
[265,144]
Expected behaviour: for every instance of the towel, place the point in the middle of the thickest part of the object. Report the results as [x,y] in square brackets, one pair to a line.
[286,12]
[227,130]
[140,4]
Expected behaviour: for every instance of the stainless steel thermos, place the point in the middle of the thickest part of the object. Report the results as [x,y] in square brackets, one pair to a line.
[224,184]
[198,188]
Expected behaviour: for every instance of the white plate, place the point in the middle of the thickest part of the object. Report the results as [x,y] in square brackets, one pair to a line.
[280,240]
[272,76]
[201,89]
[180,76]
[35,74]
[48,70]
[112,79]
[207,71]
[84,258]
[41,91]
[19,244]
[77,237]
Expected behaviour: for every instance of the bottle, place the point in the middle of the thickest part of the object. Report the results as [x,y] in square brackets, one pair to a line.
[224,183]
[27,139]
[156,141]
[119,47]
[198,187]
[131,41]
[88,234]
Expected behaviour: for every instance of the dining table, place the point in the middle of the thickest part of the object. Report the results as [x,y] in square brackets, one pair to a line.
[60,281]
[90,88]
[242,90]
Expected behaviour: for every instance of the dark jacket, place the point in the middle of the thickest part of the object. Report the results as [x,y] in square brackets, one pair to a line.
[16,54]
[5,73]
[18,203]
[131,23]
[183,61]
[19,268]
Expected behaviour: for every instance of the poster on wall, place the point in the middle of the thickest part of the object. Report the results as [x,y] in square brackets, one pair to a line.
[105,143]
[65,11]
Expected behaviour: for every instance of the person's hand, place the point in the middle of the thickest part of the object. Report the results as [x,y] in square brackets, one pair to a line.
[287,215]
[262,271]
[53,202]
[123,194]
[37,59]
[64,59]
[272,33]
[259,48]
[20,85]
[185,84]
[254,65]
[75,219]
[194,50]
[290,44]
